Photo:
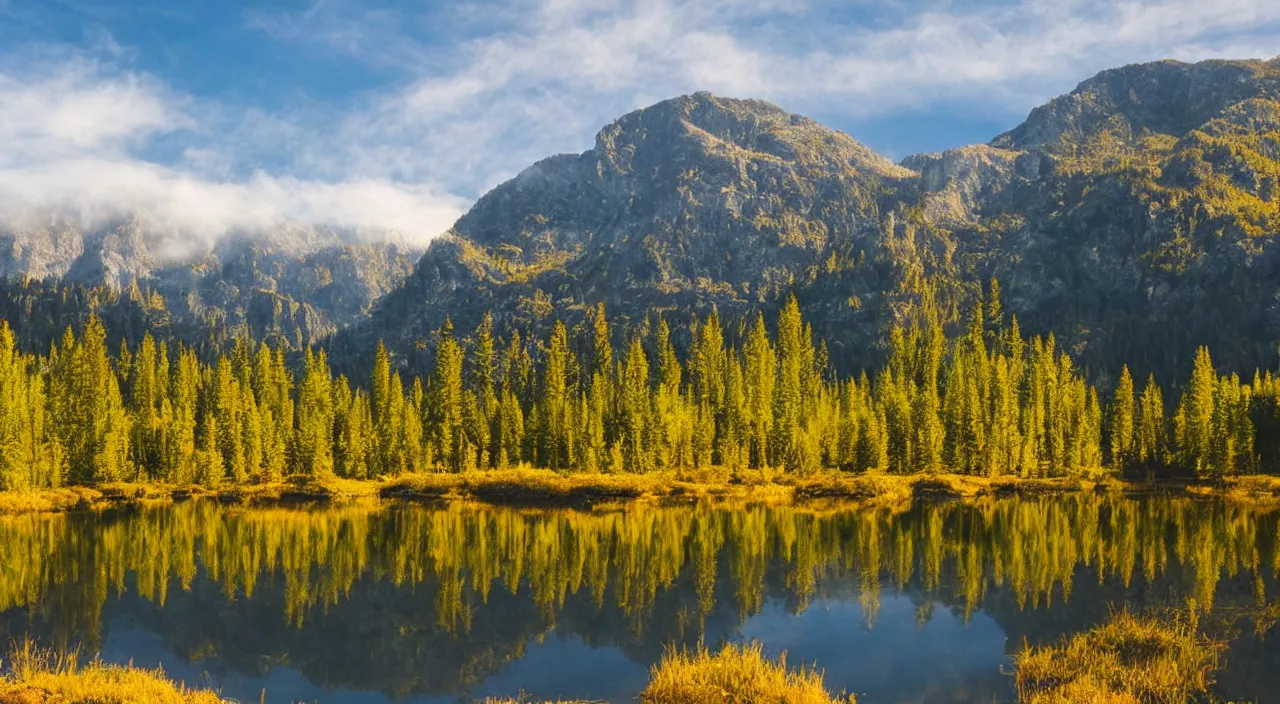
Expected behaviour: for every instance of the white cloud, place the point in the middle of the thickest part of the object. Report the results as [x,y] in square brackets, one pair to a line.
[99,189]
[548,73]
[73,109]
[73,139]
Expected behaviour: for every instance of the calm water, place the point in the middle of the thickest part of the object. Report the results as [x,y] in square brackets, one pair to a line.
[418,604]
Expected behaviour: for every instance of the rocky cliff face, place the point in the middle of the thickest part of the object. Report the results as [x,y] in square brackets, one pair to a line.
[1135,216]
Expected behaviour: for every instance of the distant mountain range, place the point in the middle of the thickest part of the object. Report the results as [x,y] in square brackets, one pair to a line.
[293,284]
[1136,217]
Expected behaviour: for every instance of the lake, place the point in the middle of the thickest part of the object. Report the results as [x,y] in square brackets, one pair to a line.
[396,602]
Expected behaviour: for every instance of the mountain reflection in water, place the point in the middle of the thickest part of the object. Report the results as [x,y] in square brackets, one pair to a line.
[370,603]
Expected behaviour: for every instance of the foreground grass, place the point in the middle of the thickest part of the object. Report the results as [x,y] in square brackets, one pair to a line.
[737,674]
[38,677]
[1128,660]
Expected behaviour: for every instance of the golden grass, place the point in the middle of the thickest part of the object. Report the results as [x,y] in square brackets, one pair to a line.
[737,675]
[526,486]
[1129,659]
[38,677]
[860,487]
[42,500]
[1253,488]
[929,487]
[299,489]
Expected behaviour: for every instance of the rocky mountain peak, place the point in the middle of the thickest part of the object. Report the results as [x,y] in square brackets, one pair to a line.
[1165,97]
[709,124]
[695,152]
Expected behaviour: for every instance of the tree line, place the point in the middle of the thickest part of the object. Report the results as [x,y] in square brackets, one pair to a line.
[986,402]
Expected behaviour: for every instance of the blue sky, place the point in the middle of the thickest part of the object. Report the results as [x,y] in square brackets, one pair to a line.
[217,114]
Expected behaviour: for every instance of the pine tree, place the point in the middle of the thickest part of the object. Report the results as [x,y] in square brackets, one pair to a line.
[447,403]
[89,418]
[554,400]
[789,390]
[732,441]
[635,409]
[14,476]
[382,458]
[601,422]
[761,372]
[354,432]
[208,460]
[1150,439]
[678,444]
[313,444]
[178,465]
[145,398]
[272,388]
[414,453]
[1198,401]
[483,384]
[1121,421]
[227,407]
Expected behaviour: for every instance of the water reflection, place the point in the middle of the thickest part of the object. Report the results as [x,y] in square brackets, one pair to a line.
[916,605]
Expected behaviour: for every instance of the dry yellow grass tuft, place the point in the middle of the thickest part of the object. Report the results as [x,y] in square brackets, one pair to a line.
[43,500]
[39,677]
[737,675]
[1127,660]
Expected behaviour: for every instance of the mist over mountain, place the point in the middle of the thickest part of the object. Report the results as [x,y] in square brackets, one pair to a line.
[294,284]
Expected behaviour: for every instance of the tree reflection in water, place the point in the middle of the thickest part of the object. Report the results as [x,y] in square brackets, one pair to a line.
[416,600]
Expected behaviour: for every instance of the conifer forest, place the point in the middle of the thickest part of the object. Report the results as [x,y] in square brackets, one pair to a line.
[985,402]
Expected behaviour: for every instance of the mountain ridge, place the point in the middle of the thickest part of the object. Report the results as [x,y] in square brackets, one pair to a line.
[1108,209]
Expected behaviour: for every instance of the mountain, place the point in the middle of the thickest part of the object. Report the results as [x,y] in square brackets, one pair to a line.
[1150,225]
[1135,216]
[694,203]
[293,284]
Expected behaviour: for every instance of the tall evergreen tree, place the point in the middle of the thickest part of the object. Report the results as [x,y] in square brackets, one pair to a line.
[1121,420]
[445,420]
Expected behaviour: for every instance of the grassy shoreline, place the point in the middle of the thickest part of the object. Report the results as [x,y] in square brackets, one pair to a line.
[545,488]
